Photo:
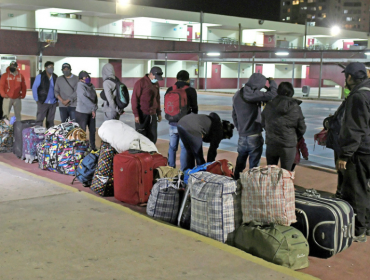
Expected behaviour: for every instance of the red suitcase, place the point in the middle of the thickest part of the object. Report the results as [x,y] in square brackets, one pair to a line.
[133,176]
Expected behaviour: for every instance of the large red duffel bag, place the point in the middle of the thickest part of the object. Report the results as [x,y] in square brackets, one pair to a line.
[133,176]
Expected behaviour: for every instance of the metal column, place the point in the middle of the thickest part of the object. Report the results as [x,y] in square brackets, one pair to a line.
[240,39]
[200,47]
[253,63]
[305,33]
[205,76]
[198,71]
[320,79]
[165,71]
[293,74]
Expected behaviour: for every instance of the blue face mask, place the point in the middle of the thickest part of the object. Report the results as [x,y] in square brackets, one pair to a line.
[88,80]
[154,81]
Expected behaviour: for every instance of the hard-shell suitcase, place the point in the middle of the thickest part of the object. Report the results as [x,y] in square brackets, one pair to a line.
[133,176]
[327,223]
[31,139]
[102,182]
[18,139]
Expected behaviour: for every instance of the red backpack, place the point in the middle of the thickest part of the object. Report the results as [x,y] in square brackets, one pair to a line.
[176,104]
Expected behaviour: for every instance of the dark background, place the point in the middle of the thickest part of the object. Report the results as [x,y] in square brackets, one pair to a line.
[258,9]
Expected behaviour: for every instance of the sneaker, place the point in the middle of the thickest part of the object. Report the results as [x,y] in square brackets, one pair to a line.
[361,238]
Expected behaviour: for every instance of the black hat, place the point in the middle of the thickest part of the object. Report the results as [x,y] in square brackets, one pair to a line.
[14,63]
[353,69]
[227,129]
[66,65]
[157,72]
[83,74]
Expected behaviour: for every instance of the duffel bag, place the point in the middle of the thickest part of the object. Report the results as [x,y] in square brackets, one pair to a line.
[281,245]
[86,169]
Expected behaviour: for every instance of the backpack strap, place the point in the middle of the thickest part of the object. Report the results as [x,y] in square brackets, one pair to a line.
[174,87]
[364,88]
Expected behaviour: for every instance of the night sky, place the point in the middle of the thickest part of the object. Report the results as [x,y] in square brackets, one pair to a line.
[259,9]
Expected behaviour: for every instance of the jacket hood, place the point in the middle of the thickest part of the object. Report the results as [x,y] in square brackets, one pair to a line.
[257,81]
[108,71]
[215,116]
[284,104]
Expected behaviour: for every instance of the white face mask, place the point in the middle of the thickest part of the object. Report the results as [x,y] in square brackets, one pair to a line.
[154,80]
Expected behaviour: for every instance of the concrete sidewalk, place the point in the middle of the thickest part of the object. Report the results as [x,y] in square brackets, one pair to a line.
[52,231]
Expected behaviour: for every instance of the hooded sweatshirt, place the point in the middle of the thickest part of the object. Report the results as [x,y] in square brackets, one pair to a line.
[109,89]
[247,104]
[13,85]
[283,121]
[87,99]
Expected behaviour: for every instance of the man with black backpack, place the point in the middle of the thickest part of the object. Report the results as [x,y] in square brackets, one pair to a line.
[146,104]
[115,94]
[65,91]
[179,100]
[247,120]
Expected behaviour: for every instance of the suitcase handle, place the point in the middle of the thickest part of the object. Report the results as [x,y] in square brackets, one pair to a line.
[311,193]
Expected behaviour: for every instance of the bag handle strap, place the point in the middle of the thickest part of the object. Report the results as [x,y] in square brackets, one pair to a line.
[68,83]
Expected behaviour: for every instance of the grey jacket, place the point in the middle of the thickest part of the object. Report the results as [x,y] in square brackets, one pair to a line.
[65,90]
[109,89]
[86,98]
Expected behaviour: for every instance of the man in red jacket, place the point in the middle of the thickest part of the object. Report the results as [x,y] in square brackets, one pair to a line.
[13,89]
[146,105]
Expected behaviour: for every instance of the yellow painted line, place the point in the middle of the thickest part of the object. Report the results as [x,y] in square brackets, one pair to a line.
[204,239]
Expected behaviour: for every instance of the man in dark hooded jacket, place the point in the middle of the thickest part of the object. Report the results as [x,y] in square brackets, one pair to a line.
[247,119]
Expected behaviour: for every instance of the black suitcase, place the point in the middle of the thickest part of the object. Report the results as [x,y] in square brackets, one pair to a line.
[18,141]
[327,223]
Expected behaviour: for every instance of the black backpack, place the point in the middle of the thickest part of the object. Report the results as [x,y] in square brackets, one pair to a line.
[122,97]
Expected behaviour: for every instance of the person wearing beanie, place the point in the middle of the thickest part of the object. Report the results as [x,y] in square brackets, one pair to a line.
[65,92]
[87,105]
[13,89]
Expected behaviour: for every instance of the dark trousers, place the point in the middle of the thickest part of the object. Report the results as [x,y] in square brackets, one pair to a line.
[148,127]
[340,178]
[194,148]
[46,111]
[285,155]
[87,120]
[248,146]
[1,107]
[67,112]
[356,189]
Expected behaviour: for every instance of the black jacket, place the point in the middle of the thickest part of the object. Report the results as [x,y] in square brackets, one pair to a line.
[247,104]
[192,98]
[43,89]
[209,127]
[283,121]
[333,124]
[354,135]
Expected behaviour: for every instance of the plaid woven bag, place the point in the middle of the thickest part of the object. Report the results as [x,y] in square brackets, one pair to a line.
[215,206]
[164,200]
[6,137]
[268,195]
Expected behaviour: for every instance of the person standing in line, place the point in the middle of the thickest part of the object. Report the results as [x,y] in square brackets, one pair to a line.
[110,108]
[284,123]
[247,120]
[354,142]
[145,103]
[183,82]
[1,103]
[65,91]
[87,105]
[43,94]
[13,89]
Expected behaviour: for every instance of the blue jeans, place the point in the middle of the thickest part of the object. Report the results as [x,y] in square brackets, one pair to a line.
[248,146]
[174,144]
[67,112]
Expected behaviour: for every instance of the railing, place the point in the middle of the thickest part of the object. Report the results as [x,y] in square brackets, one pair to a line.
[222,40]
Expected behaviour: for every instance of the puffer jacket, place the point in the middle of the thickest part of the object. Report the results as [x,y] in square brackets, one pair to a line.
[283,121]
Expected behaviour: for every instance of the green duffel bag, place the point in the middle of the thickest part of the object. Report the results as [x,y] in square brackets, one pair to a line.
[282,245]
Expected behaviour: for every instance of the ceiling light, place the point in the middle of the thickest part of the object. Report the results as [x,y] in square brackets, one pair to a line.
[282,53]
[124,2]
[335,30]
[213,54]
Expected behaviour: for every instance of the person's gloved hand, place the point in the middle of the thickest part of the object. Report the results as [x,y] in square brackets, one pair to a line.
[13,120]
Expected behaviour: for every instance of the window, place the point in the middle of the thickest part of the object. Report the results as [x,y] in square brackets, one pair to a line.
[352,4]
[320,8]
[310,1]
[295,2]
[345,12]
[288,10]
[323,15]
[303,8]
[313,8]
[348,19]
[287,18]
[60,15]
[302,1]
[309,16]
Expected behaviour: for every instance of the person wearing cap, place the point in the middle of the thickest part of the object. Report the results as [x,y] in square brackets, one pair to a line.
[87,105]
[43,94]
[13,89]
[354,142]
[183,80]
[110,108]
[145,103]
[65,91]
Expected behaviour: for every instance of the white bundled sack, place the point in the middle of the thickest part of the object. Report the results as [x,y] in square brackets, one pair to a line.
[123,137]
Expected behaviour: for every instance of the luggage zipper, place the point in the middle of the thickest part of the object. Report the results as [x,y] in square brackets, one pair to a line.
[300,211]
[313,231]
